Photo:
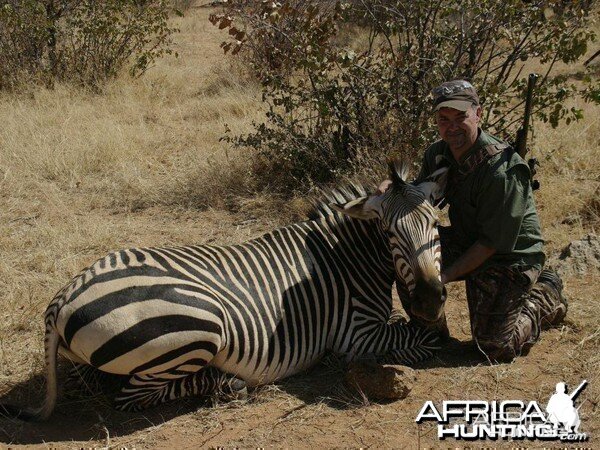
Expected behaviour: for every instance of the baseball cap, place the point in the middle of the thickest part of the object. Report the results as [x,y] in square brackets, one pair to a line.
[456,94]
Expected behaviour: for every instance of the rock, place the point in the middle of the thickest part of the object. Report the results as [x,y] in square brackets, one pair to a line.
[578,257]
[379,381]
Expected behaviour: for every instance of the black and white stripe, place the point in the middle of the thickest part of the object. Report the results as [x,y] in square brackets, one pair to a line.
[258,311]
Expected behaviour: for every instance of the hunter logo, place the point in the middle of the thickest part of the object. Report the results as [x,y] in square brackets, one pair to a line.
[509,419]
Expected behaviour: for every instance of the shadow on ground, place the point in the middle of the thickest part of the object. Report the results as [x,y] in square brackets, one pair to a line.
[84,418]
[455,353]
[326,381]
[90,417]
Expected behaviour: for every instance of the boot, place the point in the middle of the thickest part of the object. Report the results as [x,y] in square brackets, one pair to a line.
[547,293]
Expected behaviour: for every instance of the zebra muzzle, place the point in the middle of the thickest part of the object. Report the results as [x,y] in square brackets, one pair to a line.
[428,301]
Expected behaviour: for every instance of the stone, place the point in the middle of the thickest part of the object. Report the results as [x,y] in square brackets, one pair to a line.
[578,257]
[381,381]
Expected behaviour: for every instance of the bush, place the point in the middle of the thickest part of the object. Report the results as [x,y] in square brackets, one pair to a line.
[85,41]
[345,82]
[23,39]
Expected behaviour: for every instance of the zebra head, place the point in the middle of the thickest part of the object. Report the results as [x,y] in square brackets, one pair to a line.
[407,215]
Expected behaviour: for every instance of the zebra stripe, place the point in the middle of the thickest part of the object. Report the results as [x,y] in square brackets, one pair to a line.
[258,311]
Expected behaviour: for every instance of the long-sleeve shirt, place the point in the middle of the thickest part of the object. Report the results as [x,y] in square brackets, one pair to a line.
[492,204]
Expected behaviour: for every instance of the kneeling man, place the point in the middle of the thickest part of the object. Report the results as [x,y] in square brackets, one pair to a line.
[494,242]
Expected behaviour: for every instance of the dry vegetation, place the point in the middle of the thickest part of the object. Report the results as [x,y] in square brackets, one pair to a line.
[141,164]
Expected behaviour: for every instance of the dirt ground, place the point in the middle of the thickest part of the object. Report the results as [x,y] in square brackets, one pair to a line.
[316,409]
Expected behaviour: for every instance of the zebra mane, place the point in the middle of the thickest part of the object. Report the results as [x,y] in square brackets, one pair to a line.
[340,194]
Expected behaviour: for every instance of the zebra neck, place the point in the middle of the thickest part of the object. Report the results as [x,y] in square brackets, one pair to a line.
[362,242]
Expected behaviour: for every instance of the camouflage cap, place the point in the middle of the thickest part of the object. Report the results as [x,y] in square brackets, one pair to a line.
[456,94]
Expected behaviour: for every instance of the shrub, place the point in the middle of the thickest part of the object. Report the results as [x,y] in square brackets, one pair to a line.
[23,40]
[85,41]
[345,82]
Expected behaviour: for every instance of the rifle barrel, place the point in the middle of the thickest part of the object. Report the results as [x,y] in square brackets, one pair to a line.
[578,390]
[521,143]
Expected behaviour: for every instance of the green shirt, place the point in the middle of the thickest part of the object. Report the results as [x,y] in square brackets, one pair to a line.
[493,205]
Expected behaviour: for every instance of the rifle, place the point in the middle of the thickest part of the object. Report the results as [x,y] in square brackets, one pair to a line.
[577,391]
[521,141]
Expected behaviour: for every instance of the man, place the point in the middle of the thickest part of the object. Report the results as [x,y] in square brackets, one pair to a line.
[494,242]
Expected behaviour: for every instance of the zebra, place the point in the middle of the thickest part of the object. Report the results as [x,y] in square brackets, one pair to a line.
[183,321]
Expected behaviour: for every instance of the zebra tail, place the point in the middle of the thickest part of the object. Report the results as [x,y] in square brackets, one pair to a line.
[42,413]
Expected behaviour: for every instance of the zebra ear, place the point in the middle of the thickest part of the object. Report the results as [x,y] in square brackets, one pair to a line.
[398,172]
[434,186]
[360,208]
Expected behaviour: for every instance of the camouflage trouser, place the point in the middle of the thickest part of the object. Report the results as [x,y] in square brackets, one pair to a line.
[508,306]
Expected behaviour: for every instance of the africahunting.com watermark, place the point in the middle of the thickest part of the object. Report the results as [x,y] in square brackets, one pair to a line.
[508,419]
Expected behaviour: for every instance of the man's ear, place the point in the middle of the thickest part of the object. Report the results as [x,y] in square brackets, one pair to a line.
[434,186]
[478,113]
[361,208]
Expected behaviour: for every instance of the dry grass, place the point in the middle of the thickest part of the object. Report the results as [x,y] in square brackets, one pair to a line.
[138,142]
[74,165]
[141,164]
[570,178]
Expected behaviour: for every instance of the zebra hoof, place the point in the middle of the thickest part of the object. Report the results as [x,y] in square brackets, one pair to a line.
[242,394]
[237,390]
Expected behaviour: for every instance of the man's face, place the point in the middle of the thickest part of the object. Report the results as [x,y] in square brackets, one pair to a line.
[458,128]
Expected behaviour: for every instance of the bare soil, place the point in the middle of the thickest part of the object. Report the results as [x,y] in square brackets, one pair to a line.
[316,409]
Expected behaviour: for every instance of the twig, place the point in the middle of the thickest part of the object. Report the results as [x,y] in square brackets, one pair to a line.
[285,416]
[201,444]
[106,432]
[591,58]
[24,218]
[588,338]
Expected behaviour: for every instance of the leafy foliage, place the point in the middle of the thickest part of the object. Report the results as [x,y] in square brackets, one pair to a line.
[81,40]
[23,38]
[346,81]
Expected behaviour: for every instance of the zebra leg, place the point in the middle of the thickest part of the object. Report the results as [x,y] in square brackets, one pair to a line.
[213,381]
[88,379]
[412,344]
[81,377]
[392,343]
[146,391]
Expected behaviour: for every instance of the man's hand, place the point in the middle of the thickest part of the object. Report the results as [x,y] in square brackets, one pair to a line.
[474,257]
[445,278]
[384,186]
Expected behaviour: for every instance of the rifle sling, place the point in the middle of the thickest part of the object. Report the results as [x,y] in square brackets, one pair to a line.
[457,174]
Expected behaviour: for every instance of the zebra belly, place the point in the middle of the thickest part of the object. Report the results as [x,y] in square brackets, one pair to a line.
[256,376]
[271,339]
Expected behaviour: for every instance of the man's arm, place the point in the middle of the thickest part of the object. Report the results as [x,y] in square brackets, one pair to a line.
[502,204]
[474,257]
